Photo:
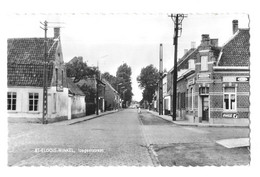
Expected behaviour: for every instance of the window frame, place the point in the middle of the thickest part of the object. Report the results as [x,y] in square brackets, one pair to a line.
[33,101]
[12,101]
[204,65]
[229,99]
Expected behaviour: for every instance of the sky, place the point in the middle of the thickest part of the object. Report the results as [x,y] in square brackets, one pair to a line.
[109,40]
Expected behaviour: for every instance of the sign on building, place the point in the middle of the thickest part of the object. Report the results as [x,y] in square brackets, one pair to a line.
[229,115]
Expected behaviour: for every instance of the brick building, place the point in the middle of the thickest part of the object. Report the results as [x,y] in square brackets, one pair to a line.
[112,97]
[213,81]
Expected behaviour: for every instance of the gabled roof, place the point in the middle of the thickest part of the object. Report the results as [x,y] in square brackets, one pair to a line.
[236,51]
[73,88]
[109,85]
[25,57]
[183,62]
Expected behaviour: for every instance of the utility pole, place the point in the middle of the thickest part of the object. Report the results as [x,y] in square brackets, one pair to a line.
[45,89]
[97,101]
[160,81]
[178,26]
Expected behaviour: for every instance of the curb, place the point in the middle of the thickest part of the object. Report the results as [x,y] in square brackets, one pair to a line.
[82,119]
[91,118]
[202,125]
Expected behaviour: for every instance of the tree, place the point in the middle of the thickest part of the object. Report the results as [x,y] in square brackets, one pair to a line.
[111,79]
[147,80]
[78,69]
[123,75]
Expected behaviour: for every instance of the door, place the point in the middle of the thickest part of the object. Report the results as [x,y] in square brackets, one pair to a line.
[205,108]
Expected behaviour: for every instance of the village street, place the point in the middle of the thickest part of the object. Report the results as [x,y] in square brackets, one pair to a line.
[122,138]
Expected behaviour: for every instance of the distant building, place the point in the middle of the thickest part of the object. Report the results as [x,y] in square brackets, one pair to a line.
[112,97]
[25,59]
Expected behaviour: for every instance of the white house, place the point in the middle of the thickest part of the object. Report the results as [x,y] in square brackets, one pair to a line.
[25,59]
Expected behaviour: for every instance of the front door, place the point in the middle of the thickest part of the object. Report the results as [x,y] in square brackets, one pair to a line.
[205,108]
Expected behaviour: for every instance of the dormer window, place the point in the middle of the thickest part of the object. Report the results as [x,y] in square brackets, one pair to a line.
[191,64]
[204,63]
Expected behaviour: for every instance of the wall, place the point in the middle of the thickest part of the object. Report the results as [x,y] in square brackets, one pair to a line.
[22,107]
[78,108]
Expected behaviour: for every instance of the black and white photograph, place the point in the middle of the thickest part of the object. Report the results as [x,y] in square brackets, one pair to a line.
[128,89]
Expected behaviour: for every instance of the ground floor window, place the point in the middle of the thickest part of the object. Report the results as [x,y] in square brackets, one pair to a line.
[33,101]
[11,100]
[229,99]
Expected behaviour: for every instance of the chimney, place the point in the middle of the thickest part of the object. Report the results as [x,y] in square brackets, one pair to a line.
[235,26]
[214,42]
[193,45]
[56,32]
[205,39]
[185,51]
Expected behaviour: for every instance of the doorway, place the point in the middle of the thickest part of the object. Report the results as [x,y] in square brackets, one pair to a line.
[205,108]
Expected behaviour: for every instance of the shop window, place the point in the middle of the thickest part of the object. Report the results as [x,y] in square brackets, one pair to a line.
[229,99]
[11,100]
[33,101]
[204,63]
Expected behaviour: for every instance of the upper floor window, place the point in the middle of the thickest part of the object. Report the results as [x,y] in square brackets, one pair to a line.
[204,63]
[229,99]
[57,76]
[33,101]
[11,100]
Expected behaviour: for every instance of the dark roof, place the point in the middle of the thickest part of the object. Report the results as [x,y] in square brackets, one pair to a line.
[25,57]
[74,88]
[236,51]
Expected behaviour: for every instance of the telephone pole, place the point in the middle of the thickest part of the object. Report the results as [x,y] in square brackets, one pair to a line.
[160,80]
[45,89]
[177,19]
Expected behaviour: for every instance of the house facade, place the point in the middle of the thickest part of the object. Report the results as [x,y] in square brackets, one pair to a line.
[99,87]
[213,82]
[76,104]
[25,59]
[112,98]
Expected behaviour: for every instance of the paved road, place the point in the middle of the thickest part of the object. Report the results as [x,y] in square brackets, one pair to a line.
[176,145]
[123,138]
[114,139]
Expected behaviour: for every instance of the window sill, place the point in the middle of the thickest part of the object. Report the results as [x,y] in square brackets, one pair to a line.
[33,112]
[229,111]
[12,111]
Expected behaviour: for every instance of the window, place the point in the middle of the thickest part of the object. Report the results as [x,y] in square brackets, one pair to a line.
[56,72]
[11,100]
[190,96]
[204,90]
[204,63]
[33,101]
[229,99]
[62,77]
[54,102]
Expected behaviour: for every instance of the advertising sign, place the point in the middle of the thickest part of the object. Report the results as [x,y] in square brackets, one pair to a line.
[242,79]
[229,115]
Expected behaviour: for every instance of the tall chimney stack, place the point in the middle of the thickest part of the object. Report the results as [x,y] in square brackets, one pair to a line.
[56,32]
[193,45]
[235,26]
[205,40]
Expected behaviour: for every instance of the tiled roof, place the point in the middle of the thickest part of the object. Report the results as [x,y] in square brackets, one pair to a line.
[25,57]
[236,51]
[74,88]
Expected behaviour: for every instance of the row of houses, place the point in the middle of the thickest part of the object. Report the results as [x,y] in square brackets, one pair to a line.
[212,82]
[25,61]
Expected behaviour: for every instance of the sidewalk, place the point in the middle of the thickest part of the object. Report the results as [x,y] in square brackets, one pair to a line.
[187,123]
[82,119]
